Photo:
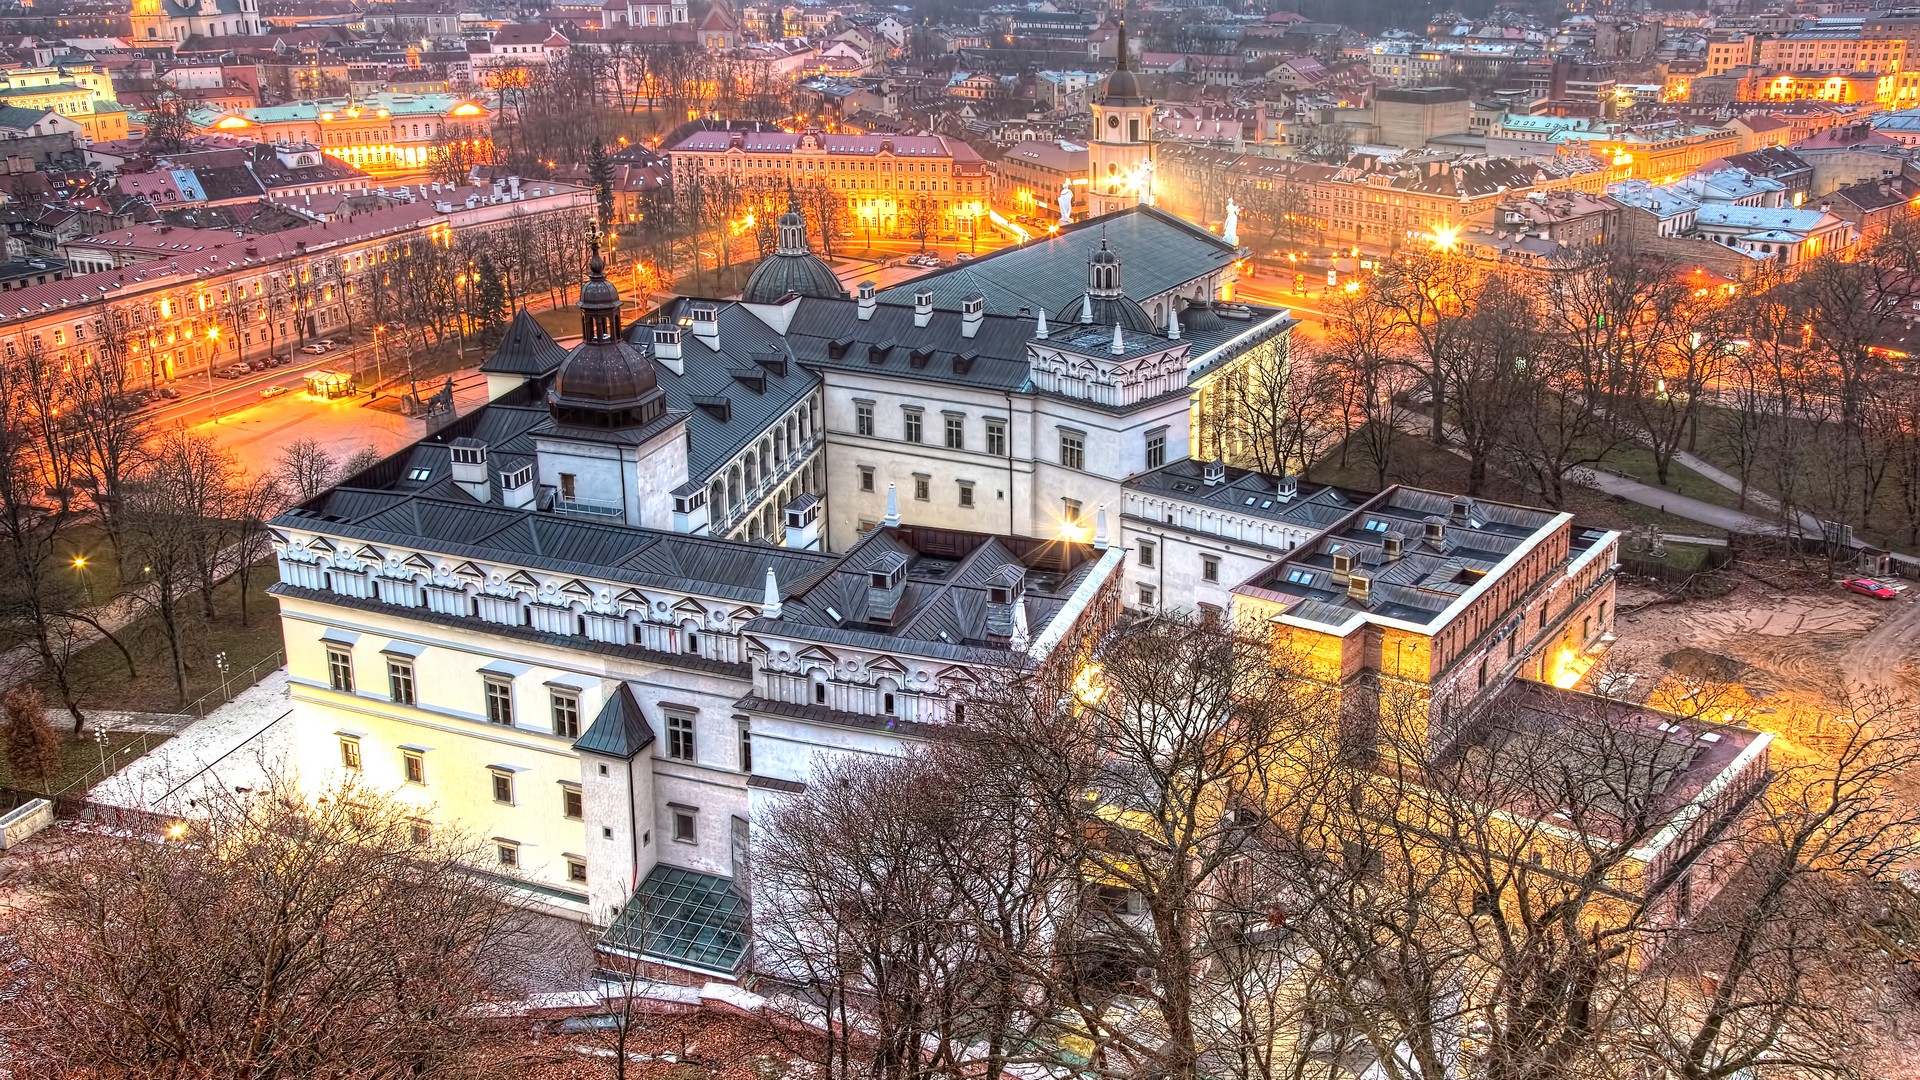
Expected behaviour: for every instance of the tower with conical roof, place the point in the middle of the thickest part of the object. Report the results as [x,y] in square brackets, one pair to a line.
[1120,173]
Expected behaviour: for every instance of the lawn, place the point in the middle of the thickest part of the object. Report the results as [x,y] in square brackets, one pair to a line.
[84,559]
[79,757]
[101,673]
[1418,463]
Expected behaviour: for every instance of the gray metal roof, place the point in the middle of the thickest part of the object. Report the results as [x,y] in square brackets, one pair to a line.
[1161,252]
[552,542]
[621,730]
[753,371]
[1311,507]
[526,350]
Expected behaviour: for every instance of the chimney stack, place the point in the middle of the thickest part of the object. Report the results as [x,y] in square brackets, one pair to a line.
[922,308]
[470,468]
[867,301]
[973,312]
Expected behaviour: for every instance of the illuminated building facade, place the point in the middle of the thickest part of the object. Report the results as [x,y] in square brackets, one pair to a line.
[381,133]
[1419,605]
[207,298]
[892,185]
[86,98]
[172,21]
[1120,157]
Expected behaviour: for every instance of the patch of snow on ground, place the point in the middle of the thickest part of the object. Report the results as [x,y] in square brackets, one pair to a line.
[234,746]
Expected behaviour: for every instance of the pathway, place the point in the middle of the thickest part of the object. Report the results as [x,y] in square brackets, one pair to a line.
[237,746]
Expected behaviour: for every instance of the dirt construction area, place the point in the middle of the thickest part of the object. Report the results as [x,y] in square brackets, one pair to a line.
[1783,649]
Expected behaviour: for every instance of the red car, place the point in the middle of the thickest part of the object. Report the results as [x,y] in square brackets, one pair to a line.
[1867,586]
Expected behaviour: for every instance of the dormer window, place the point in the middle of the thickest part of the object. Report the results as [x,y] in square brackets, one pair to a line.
[1342,564]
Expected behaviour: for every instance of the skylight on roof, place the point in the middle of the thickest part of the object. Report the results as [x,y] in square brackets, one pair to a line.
[419,474]
[1300,577]
[1376,525]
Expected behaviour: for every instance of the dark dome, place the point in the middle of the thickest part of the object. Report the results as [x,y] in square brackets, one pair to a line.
[604,374]
[1121,311]
[792,269]
[1122,89]
[780,274]
[1199,316]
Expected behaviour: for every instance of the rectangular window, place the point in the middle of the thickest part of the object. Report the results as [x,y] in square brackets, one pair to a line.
[499,701]
[1156,448]
[866,478]
[1147,552]
[569,486]
[502,786]
[1210,567]
[746,750]
[966,493]
[863,418]
[956,432]
[566,714]
[679,737]
[910,421]
[400,681]
[340,669]
[571,805]
[684,831]
[508,853]
[921,482]
[420,833]
[1073,449]
[577,871]
[1147,596]
[414,764]
[349,752]
[1070,511]
[997,438]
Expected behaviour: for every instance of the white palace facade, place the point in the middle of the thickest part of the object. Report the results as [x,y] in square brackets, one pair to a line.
[599,622]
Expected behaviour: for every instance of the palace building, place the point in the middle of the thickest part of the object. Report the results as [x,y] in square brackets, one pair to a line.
[607,619]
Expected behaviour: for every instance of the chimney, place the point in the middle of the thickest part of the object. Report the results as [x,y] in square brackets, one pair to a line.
[803,523]
[666,348]
[1287,488]
[973,312]
[470,468]
[1214,473]
[1357,585]
[517,487]
[922,308]
[867,302]
[706,325]
[1393,545]
[1462,509]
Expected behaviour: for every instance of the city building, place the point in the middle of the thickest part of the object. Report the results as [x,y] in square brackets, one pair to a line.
[385,133]
[88,101]
[208,297]
[895,185]
[172,21]
[1028,178]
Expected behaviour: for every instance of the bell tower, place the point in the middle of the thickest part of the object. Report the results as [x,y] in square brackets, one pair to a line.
[1120,158]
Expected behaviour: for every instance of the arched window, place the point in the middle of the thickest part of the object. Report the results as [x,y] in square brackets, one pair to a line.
[689,636]
[818,678]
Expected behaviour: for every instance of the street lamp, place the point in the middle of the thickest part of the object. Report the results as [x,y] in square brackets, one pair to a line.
[100,740]
[220,661]
[80,568]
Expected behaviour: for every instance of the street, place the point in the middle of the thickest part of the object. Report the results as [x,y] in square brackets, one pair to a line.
[254,429]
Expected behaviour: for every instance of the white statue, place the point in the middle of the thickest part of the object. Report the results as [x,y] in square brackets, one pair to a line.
[1066,203]
[1146,182]
[1230,232]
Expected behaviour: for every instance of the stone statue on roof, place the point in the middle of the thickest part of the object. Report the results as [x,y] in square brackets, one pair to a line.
[1066,202]
[1230,232]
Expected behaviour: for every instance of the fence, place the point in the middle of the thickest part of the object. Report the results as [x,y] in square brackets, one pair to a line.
[230,685]
[1642,565]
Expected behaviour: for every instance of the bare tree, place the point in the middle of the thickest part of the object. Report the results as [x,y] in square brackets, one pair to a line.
[276,936]
[175,529]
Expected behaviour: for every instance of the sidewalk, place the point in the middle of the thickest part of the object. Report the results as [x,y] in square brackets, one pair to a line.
[1667,502]
[235,746]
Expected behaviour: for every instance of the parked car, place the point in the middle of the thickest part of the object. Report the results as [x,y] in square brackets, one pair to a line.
[281,360]
[232,372]
[326,343]
[315,349]
[962,257]
[168,392]
[1867,586]
[273,391]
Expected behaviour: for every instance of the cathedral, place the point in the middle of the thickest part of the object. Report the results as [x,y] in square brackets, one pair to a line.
[1120,156]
